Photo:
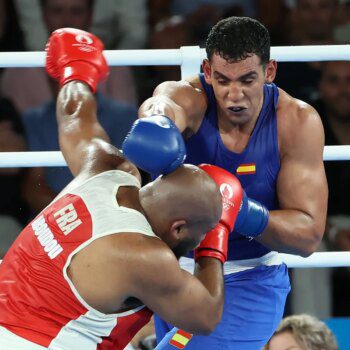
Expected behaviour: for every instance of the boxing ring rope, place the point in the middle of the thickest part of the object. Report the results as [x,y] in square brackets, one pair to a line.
[55,158]
[189,58]
[320,260]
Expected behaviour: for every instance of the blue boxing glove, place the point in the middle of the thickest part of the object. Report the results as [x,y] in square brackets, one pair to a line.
[155,144]
[252,217]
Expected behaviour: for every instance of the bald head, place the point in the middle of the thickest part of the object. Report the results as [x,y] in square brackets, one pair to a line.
[187,194]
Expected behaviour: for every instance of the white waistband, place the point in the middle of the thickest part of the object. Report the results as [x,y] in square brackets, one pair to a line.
[234,266]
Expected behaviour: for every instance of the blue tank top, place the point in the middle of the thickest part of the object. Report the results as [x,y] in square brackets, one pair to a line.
[256,167]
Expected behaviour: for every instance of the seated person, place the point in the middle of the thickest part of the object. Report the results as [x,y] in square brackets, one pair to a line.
[302,332]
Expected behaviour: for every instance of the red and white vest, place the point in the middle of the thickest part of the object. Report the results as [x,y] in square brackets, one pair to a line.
[39,305]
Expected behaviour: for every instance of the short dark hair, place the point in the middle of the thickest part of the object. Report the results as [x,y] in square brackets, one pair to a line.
[236,38]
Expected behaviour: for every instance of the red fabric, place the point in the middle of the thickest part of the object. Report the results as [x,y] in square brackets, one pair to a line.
[36,301]
[128,326]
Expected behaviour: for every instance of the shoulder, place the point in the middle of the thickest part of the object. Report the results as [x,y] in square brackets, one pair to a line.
[189,84]
[191,87]
[294,107]
[188,93]
[296,119]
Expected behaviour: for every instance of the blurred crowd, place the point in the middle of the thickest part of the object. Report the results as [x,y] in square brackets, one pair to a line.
[27,100]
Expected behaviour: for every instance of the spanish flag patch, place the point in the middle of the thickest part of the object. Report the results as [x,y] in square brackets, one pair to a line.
[245,169]
[180,339]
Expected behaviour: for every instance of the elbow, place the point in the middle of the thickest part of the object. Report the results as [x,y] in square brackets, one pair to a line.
[207,328]
[315,238]
[210,322]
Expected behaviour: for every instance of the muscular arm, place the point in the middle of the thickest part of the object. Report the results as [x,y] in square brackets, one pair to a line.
[83,142]
[301,187]
[138,266]
[183,102]
[191,303]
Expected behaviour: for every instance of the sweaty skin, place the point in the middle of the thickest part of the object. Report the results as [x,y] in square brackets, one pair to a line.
[117,272]
[298,226]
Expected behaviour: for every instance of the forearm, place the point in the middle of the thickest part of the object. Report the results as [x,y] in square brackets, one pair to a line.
[210,272]
[292,232]
[77,123]
[162,105]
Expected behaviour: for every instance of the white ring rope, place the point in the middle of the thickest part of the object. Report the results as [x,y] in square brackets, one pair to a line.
[321,260]
[55,158]
[174,57]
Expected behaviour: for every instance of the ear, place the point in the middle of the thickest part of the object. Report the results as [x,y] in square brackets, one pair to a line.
[178,230]
[270,71]
[207,71]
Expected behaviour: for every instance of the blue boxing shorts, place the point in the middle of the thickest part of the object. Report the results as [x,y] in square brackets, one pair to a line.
[254,305]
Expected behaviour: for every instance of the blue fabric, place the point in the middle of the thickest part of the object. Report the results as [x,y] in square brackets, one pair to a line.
[42,134]
[206,146]
[254,304]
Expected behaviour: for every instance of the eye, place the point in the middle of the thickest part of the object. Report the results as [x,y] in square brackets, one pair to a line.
[247,81]
[222,82]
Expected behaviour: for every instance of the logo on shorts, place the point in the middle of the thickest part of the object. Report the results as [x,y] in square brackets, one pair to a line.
[83,39]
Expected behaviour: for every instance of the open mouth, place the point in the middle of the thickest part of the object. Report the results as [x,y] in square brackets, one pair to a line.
[236,109]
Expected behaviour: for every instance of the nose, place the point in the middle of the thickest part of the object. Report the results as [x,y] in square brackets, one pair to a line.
[235,93]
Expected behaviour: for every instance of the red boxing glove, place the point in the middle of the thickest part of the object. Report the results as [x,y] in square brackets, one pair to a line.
[73,54]
[215,242]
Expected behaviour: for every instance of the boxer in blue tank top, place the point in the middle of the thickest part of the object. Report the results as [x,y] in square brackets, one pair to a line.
[234,116]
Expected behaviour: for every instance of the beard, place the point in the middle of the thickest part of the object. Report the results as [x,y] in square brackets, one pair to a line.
[184,247]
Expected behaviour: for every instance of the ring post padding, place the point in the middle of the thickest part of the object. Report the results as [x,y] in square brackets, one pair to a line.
[191,60]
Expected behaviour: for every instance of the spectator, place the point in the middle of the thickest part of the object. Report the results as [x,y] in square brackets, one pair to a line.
[11,38]
[342,30]
[17,83]
[302,332]
[122,24]
[275,16]
[334,108]
[198,16]
[312,23]
[43,184]
[12,209]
